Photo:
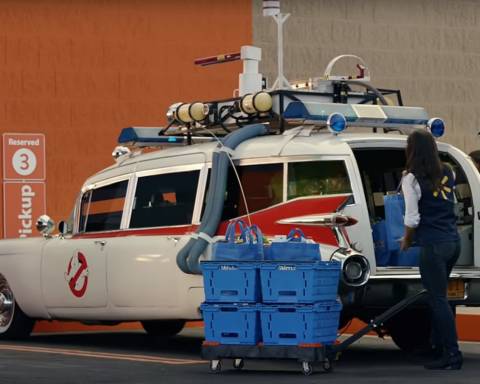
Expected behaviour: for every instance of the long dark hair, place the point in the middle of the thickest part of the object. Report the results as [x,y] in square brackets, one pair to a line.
[423,159]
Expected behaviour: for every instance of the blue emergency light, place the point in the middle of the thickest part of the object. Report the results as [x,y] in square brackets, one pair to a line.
[436,126]
[365,115]
[336,123]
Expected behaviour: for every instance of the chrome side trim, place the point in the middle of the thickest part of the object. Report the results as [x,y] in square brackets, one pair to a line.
[395,277]
[416,276]
[325,220]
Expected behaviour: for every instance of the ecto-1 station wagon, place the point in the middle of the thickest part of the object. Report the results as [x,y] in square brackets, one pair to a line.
[320,158]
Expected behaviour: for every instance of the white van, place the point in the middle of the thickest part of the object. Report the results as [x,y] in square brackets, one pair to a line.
[116,259]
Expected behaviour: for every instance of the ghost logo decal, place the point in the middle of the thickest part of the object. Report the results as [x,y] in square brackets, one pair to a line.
[77,274]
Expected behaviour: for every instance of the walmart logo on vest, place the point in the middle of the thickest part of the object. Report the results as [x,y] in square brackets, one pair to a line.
[443,188]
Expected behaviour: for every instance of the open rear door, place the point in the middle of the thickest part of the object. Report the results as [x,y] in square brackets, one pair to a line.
[467,192]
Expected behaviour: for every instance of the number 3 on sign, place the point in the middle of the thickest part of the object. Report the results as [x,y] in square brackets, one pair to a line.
[24,162]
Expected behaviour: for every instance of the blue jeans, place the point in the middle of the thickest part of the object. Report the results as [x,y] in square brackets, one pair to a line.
[436,263]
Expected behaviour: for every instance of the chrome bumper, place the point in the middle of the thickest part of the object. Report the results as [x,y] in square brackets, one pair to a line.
[390,285]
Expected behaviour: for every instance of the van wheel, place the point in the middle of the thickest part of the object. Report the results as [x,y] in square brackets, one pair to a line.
[14,324]
[411,330]
[163,328]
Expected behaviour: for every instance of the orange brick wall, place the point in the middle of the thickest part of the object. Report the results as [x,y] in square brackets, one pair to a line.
[79,71]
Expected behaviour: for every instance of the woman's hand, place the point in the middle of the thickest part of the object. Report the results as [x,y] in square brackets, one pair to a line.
[405,244]
[407,239]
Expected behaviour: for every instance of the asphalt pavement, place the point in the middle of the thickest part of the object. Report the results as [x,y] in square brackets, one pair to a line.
[133,357]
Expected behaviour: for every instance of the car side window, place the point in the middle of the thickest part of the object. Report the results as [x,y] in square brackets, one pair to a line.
[262,185]
[164,200]
[101,208]
[310,178]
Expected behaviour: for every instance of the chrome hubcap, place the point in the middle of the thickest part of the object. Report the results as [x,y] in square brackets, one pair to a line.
[7,304]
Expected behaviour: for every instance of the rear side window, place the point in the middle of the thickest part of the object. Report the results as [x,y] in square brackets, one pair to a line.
[262,185]
[101,209]
[311,178]
[164,200]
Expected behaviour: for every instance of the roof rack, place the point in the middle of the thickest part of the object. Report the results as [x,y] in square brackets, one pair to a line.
[289,109]
[350,98]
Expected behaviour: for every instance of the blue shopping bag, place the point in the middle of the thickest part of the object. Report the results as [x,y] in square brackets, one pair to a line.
[249,246]
[379,234]
[407,258]
[294,248]
[394,220]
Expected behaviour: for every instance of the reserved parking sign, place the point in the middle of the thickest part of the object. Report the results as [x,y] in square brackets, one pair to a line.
[23,183]
[24,203]
[23,156]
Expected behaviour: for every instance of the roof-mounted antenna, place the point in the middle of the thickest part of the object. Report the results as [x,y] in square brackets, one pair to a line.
[272,8]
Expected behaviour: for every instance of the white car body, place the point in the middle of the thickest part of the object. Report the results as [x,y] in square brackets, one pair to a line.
[118,261]
[132,273]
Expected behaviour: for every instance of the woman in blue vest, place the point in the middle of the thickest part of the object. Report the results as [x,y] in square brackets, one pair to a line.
[430,221]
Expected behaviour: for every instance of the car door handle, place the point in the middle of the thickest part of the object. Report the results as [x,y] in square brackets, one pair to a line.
[100,242]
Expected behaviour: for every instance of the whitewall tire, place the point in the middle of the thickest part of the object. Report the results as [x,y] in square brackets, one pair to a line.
[14,324]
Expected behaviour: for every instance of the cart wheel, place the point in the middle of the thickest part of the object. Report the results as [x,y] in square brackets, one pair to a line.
[215,366]
[238,363]
[327,365]
[307,368]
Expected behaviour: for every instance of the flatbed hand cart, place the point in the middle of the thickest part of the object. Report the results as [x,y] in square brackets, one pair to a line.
[305,354]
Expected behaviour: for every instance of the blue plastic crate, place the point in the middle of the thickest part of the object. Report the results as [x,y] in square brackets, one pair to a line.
[232,323]
[231,281]
[300,324]
[299,282]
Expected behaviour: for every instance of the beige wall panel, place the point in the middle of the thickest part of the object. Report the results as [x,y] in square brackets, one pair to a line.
[429,49]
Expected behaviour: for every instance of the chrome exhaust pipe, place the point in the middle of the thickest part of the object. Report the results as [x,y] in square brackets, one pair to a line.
[355,268]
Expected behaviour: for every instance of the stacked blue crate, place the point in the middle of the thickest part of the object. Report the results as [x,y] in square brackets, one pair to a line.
[230,312]
[299,302]
[232,288]
[306,324]
[231,281]
[287,299]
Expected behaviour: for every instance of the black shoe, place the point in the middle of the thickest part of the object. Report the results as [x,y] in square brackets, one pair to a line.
[448,361]
[437,352]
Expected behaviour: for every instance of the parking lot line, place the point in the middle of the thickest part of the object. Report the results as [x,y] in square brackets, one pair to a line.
[101,355]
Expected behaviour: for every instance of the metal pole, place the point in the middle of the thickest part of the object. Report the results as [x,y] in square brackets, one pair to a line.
[281,81]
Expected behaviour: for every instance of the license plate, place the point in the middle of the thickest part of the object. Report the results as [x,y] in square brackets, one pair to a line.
[456,290]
